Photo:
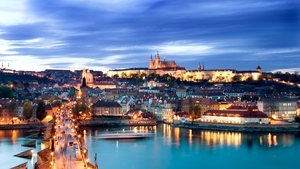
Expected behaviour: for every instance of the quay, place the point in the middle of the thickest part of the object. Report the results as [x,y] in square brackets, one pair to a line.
[292,127]
[65,145]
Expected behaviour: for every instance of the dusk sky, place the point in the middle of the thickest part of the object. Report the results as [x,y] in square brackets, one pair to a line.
[109,34]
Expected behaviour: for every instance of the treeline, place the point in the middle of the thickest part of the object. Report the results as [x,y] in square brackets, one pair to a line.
[288,77]
[138,79]
[8,78]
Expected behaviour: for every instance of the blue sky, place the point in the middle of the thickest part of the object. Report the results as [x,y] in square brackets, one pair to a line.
[102,35]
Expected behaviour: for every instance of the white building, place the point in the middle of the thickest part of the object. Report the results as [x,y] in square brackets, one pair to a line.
[237,117]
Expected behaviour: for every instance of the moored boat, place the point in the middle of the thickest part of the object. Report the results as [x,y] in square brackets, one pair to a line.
[125,135]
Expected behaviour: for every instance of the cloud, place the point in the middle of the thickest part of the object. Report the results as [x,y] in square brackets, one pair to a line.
[290,70]
[117,33]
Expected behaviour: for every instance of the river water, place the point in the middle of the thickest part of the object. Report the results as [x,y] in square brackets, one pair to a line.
[173,148]
[176,148]
[11,144]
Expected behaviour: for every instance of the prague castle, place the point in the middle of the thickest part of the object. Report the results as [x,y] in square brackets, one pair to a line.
[162,67]
[158,64]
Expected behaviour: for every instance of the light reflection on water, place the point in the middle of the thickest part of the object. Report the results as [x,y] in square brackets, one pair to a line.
[11,144]
[173,148]
[186,148]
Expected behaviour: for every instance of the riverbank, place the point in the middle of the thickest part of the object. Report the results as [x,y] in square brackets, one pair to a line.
[292,127]
[21,126]
[117,123]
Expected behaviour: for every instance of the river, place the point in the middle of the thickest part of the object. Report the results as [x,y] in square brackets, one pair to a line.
[11,144]
[176,148]
[173,148]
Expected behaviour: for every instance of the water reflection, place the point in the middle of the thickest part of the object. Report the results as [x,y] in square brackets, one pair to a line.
[212,138]
[11,143]
[190,137]
[12,134]
[176,144]
[176,136]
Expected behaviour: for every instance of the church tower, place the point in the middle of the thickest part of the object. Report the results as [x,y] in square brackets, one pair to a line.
[157,61]
[259,69]
[151,66]
[89,79]
[84,91]
[199,66]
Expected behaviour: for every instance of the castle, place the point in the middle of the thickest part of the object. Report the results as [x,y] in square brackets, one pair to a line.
[158,64]
[162,67]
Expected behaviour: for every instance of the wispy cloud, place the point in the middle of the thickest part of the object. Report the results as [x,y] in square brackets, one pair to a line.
[108,34]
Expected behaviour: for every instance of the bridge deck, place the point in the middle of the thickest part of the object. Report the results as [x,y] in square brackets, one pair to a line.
[67,152]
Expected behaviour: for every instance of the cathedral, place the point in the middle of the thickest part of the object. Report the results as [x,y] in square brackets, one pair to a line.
[157,63]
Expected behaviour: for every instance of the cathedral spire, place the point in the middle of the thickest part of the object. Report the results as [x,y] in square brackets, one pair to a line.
[151,58]
[157,54]
[199,66]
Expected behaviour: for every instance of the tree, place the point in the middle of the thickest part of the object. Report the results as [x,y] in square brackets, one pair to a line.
[27,110]
[123,75]
[143,76]
[57,103]
[237,78]
[12,108]
[6,92]
[116,76]
[41,110]
[80,110]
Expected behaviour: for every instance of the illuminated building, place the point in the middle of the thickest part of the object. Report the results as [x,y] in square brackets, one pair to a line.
[278,108]
[202,104]
[162,67]
[238,117]
[107,108]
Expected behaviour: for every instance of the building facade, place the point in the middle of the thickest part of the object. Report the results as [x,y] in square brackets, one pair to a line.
[278,108]
[201,104]
[236,117]
[107,108]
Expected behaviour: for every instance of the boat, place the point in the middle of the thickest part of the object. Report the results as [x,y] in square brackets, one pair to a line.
[125,135]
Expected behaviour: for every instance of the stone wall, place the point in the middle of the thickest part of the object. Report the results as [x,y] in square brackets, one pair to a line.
[240,127]
[20,126]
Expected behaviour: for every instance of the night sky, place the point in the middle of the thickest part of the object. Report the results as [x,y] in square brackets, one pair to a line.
[109,34]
